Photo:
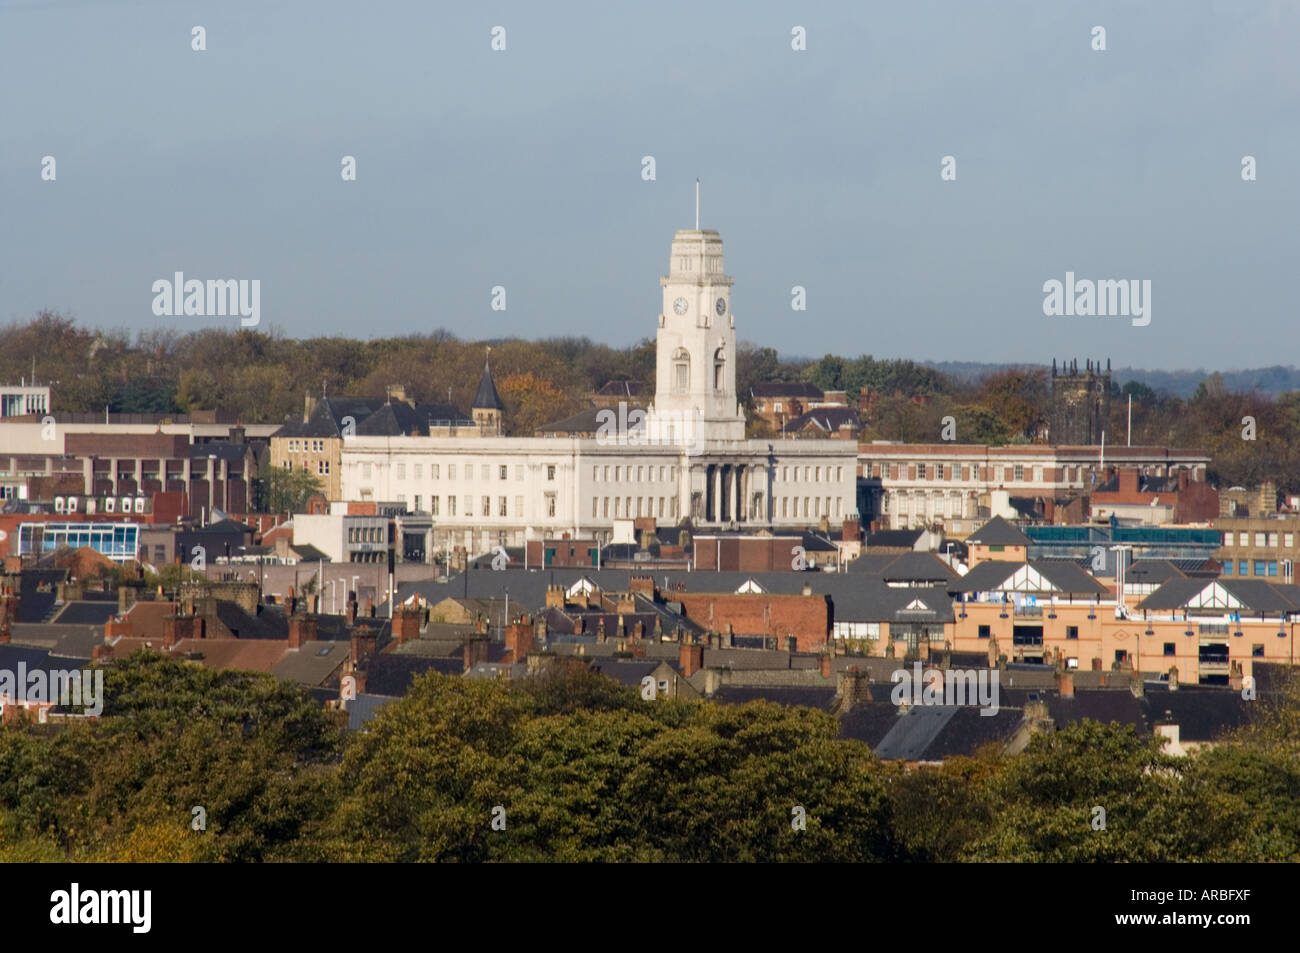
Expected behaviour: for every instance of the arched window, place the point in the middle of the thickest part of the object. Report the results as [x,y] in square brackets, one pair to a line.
[719,369]
[681,371]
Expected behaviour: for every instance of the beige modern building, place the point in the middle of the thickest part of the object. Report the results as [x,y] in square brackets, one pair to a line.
[947,483]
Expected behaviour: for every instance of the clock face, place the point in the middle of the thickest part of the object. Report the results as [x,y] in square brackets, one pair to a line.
[680,305]
[721,306]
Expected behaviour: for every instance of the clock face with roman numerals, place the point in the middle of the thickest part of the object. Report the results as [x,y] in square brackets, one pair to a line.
[720,306]
[680,305]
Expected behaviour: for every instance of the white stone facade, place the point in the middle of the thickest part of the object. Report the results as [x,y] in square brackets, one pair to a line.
[690,459]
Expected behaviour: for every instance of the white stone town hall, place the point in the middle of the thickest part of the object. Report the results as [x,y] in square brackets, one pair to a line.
[690,458]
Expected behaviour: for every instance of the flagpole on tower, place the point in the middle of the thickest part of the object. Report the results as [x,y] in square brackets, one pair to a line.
[697,205]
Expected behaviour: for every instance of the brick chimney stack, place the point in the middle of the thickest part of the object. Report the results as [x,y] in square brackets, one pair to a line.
[690,658]
[8,612]
[476,651]
[364,642]
[302,628]
[406,623]
[519,640]
[181,626]
[852,530]
[1065,684]
[853,689]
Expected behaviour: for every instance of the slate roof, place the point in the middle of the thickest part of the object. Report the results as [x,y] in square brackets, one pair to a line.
[400,419]
[893,538]
[586,421]
[869,722]
[825,419]
[486,397]
[11,655]
[1255,595]
[364,707]
[34,605]
[912,567]
[1152,572]
[1100,705]
[810,696]
[269,623]
[315,663]
[622,389]
[1065,574]
[626,671]
[998,532]
[326,418]
[855,596]
[389,674]
[85,613]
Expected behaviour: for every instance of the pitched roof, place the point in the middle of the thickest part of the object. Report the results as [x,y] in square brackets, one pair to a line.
[825,419]
[1252,595]
[400,419]
[1037,575]
[622,389]
[326,418]
[364,707]
[805,696]
[315,663]
[86,613]
[893,538]
[486,397]
[586,422]
[998,532]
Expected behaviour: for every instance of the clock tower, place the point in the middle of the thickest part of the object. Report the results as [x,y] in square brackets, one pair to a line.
[695,346]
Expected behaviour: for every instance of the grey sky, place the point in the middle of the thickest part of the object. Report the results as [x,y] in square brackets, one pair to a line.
[522,168]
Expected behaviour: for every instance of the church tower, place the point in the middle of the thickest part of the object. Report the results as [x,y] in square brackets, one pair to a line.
[695,378]
[487,406]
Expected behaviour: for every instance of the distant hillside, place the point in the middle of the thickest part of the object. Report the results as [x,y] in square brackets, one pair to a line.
[1266,380]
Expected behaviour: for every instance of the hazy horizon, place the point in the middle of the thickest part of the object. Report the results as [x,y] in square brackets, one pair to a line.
[523,169]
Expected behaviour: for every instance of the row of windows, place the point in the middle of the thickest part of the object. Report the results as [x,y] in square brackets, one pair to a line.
[300,446]
[624,507]
[367,534]
[322,467]
[1257,567]
[810,474]
[1262,539]
[812,506]
[602,474]
[956,471]
[485,505]
[486,471]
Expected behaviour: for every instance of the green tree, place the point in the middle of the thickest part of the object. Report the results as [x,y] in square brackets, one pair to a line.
[285,490]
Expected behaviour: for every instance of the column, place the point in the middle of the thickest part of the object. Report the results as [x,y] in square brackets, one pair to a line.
[715,510]
[735,493]
[742,490]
